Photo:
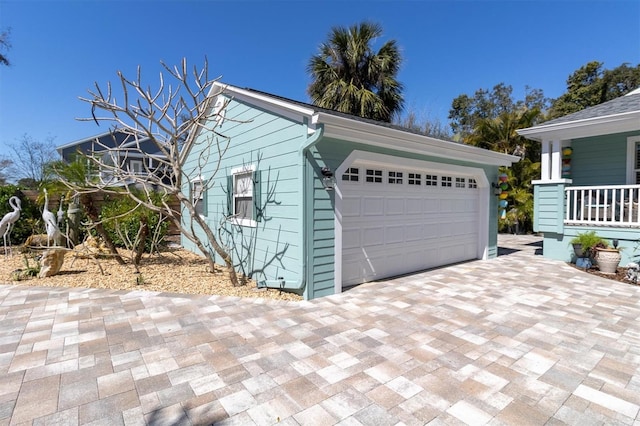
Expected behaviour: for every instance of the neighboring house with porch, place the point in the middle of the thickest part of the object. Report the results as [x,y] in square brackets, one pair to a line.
[315,201]
[134,157]
[590,177]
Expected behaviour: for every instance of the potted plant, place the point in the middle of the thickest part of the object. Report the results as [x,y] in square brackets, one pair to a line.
[608,257]
[584,243]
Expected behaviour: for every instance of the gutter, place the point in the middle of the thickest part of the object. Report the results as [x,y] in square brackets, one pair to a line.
[281,283]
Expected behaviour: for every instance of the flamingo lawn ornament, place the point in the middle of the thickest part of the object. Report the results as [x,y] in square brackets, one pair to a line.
[9,219]
[53,232]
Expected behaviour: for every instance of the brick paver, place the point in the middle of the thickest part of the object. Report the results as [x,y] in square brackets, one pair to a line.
[517,340]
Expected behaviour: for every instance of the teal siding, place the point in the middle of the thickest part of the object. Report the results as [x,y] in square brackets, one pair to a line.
[549,201]
[600,160]
[272,249]
[557,246]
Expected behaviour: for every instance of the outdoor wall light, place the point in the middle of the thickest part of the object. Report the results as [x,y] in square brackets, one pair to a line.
[328,180]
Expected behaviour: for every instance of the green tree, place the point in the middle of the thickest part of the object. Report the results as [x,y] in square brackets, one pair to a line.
[591,85]
[466,111]
[350,77]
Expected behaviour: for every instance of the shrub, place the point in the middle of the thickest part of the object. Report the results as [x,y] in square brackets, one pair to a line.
[123,227]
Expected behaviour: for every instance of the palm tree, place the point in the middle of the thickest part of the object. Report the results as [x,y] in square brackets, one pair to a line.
[348,76]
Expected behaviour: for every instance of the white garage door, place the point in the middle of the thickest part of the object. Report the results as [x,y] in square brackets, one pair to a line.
[396,221]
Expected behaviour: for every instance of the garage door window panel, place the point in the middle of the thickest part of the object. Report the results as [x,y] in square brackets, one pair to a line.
[373,176]
[395,178]
[352,174]
[446,181]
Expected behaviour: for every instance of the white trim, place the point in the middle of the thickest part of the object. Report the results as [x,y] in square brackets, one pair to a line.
[244,169]
[401,140]
[631,159]
[551,181]
[616,123]
[373,159]
[556,159]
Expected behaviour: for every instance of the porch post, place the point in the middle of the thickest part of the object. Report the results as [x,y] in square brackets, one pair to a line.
[545,161]
[556,160]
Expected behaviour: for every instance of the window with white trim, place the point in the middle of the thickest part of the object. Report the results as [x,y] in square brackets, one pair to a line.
[633,160]
[243,196]
[431,180]
[395,178]
[198,197]
[414,179]
[352,174]
[446,180]
[135,167]
[373,176]
[460,182]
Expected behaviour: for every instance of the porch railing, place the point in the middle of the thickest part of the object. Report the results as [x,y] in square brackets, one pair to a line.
[611,205]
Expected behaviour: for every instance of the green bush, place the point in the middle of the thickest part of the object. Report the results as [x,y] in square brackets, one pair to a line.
[128,225]
[30,215]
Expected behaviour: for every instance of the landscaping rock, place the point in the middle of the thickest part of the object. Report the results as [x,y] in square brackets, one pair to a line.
[51,262]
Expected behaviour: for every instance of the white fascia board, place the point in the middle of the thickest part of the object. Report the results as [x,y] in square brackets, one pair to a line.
[384,137]
[81,141]
[618,123]
[286,109]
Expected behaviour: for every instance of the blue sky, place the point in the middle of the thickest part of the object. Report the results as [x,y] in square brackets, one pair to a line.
[60,48]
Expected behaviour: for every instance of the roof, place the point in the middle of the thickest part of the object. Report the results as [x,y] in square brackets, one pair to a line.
[362,130]
[627,103]
[615,116]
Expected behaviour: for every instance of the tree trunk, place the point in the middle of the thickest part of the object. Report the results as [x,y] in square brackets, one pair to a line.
[141,239]
[90,208]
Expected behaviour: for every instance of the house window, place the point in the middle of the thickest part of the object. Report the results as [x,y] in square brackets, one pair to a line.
[633,160]
[374,176]
[414,179]
[446,180]
[198,197]
[135,167]
[243,196]
[472,183]
[395,177]
[460,182]
[431,180]
[351,174]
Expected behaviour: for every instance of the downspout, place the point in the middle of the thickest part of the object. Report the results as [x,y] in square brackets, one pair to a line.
[310,142]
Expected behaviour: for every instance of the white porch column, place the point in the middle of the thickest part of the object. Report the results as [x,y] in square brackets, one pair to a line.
[545,161]
[556,160]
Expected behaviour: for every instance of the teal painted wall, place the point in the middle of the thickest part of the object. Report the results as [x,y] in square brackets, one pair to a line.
[600,160]
[557,246]
[548,201]
[271,144]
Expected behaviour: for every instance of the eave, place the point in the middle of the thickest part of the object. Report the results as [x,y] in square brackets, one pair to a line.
[618,123]
[384,137]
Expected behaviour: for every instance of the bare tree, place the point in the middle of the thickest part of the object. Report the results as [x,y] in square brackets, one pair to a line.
[31,157]
[177,119]
[5,44]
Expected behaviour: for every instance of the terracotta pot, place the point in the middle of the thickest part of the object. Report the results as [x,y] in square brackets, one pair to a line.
[608,260]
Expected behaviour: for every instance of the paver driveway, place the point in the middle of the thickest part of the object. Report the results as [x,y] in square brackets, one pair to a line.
[515,340]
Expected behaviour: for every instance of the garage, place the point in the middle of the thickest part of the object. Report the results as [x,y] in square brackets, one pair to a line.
[400,216]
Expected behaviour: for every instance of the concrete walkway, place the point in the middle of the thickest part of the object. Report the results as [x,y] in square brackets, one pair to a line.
[516,340]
